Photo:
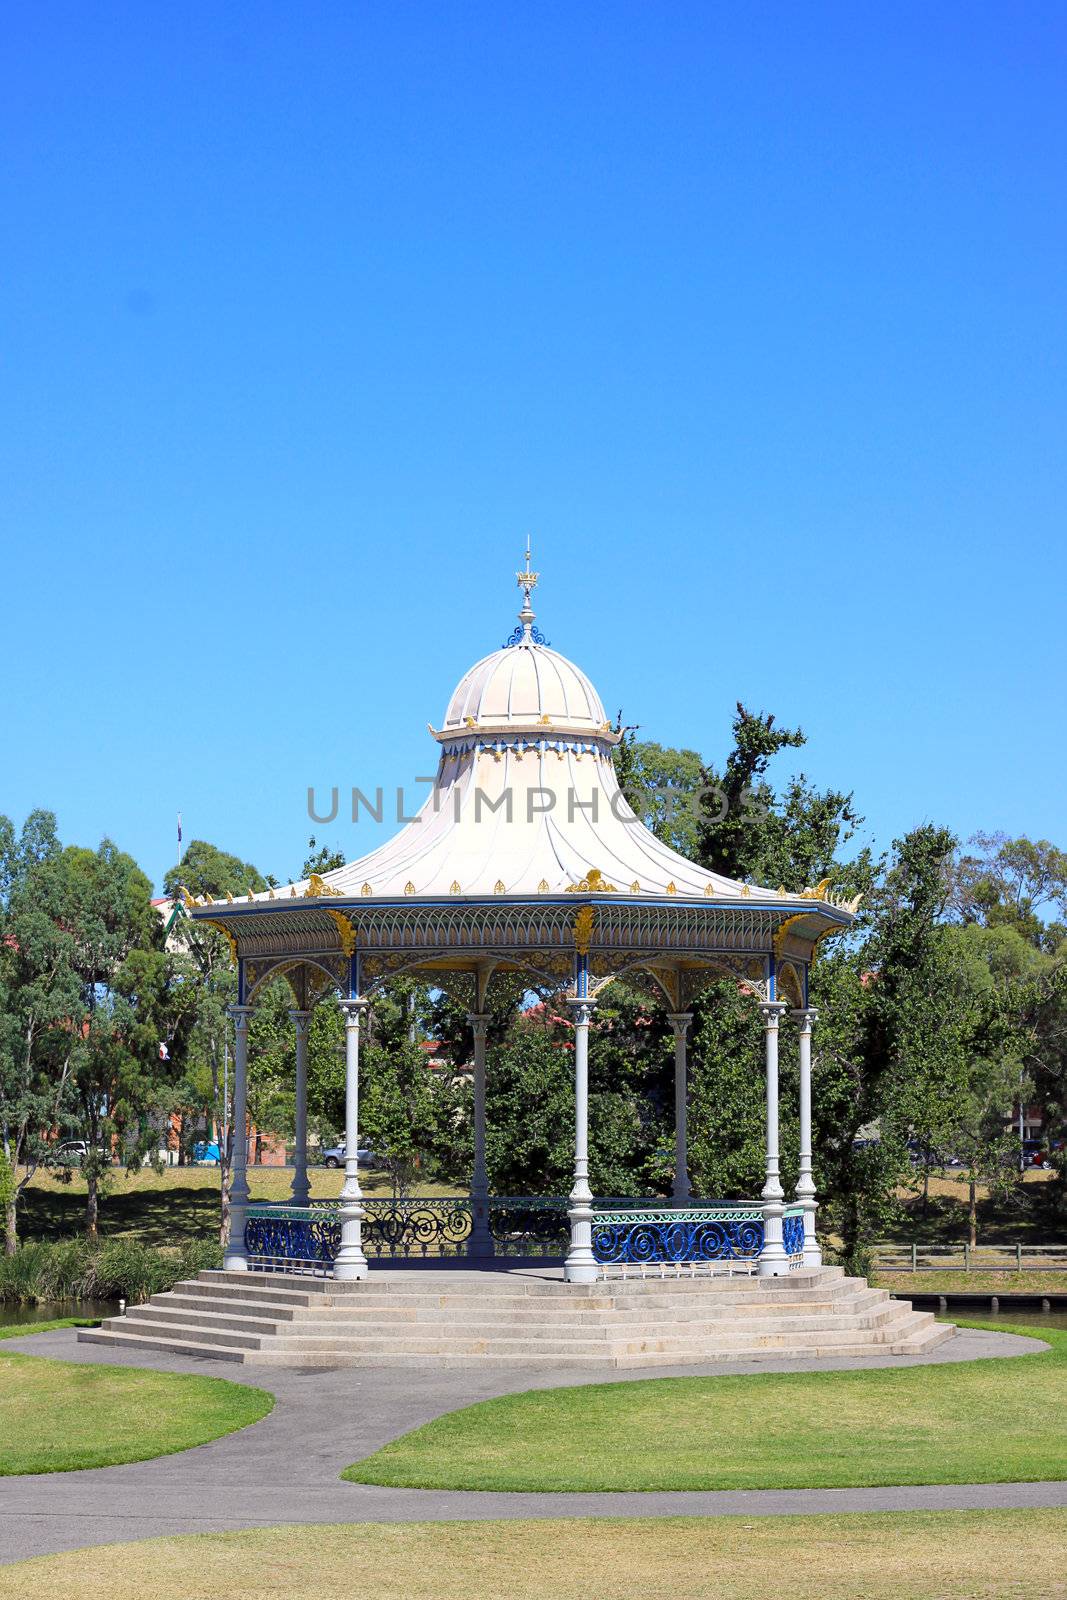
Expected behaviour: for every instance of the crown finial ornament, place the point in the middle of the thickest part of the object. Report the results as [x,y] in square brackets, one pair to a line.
[526,633]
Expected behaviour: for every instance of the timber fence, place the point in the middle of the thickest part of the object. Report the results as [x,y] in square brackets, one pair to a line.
[889,1257]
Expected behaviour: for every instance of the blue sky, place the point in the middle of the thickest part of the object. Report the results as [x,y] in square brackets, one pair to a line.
[752,315]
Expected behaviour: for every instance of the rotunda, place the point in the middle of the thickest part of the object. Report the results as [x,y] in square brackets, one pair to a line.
[526,857]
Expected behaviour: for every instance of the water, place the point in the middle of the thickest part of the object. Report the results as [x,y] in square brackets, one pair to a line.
[1028,1315]
[16,1316]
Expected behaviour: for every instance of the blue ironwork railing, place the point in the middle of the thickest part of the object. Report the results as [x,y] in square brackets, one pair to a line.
[409,1229]
[308,1236]
[625,1232]
[659,1234]
[664,1235]
[793,1233]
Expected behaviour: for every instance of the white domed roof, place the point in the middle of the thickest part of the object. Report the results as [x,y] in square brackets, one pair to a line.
[521,686]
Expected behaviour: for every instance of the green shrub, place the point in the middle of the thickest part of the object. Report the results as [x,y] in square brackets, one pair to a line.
[77,1269]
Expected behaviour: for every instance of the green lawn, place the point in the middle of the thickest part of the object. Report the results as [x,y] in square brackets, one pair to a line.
[983,1421]
[1026,1282]
[171,1206]
[946,1555]
[57,1416]
[19,1330]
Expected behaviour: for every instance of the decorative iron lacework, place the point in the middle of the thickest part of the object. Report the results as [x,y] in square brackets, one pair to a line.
[688,1233]
[529,1225]
[522,744]
[438,1227]
[518,633]
[793,1232]
[406,1229]
[309,1235]
[631,1232]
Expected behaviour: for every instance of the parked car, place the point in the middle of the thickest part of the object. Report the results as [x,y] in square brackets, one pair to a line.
[335,1155]
[72,1152]
[207,1151]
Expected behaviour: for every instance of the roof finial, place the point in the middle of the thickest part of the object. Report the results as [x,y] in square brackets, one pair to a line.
[526,633]
[527,580]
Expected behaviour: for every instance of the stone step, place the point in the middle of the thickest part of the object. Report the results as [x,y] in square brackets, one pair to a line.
[527,1313]
[515,1343]
[329,1358]
[220,1338]
[237,1305]
[604,1329]
[571,1299]
[242,1312]
[925,1338]
[194,1317]
[170,1342]
[488,1283]
[235,1285]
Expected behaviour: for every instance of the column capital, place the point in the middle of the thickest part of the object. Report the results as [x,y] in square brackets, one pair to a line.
[804,1016]
[772,1010]
[679,1021]
[582,1006]
[478,1022]
[299,1017]
[353,1009]
[240,1014]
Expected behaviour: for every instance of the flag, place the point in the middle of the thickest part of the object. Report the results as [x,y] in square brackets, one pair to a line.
[179,827]
[164,1053]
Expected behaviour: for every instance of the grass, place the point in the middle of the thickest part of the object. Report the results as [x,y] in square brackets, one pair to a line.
[1025,1282]
[170,1207]
[989,1421]
[60,1416]
[945,1555]
[19,1330]
[114,1268]
[1034,1215]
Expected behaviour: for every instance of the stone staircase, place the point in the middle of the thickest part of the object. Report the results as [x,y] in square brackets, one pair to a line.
[458,1318]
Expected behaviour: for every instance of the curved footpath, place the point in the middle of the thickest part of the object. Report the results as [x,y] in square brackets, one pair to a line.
[286,1468]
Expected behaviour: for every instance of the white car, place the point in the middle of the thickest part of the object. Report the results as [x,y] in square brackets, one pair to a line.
[335,1155]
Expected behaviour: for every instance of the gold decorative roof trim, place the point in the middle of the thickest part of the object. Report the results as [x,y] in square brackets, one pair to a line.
[318,889]
[345,930]
[594,882]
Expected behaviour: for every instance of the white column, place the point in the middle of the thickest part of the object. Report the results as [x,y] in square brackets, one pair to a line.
[580,1266]
[351,1262]
[679,1021]
[300,1192]
[773,1261]
[481,1239]
[234,1258]
[805,1181]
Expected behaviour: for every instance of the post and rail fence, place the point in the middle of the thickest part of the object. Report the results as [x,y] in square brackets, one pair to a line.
[913,1257]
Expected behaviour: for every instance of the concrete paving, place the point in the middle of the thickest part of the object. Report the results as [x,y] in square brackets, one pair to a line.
[285,1468]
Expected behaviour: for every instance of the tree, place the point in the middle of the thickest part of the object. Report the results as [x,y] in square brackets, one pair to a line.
[203,986]
[207,870]
[661,785]
[39,998]
[322,859]
[118,1077]
[1010,882]
[727,1098]
[747,830]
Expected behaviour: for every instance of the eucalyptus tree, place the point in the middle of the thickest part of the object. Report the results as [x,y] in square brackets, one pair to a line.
[39,996]
[204,986]
[121,1083]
